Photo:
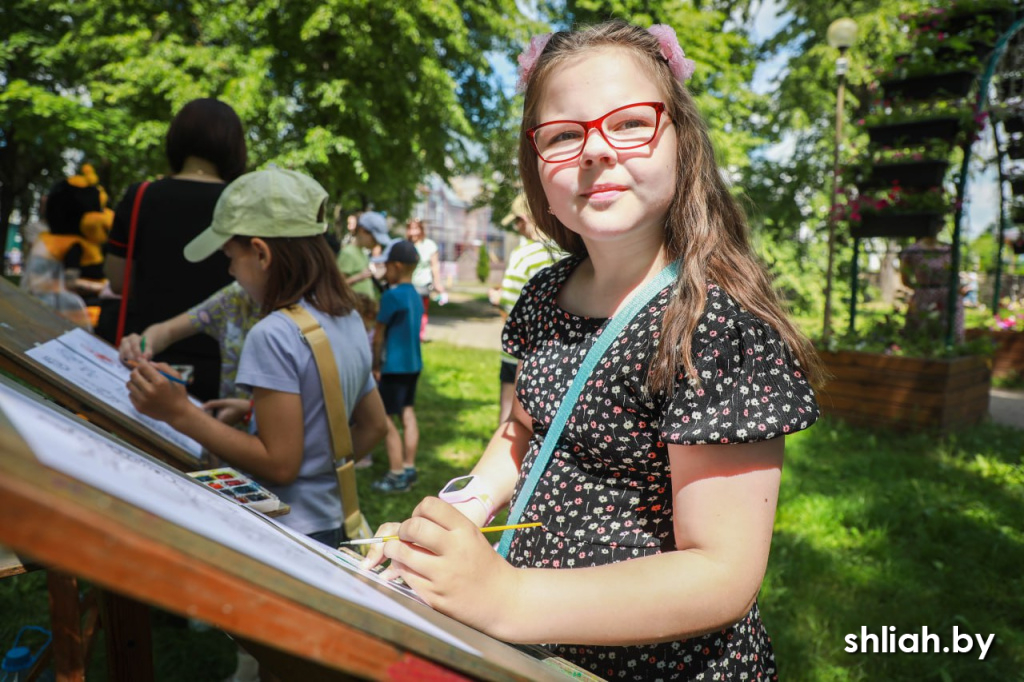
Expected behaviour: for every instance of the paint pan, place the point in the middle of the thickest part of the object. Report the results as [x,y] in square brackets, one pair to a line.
[237,486]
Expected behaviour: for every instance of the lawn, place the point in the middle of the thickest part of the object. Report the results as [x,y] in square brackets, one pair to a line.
[874,529]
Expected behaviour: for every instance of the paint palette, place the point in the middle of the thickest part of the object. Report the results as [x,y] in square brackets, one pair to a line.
[239,487]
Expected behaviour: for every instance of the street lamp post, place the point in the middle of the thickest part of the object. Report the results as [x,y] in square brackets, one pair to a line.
[841,35]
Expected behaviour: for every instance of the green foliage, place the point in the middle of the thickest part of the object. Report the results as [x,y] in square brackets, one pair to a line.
[888,334]
[483,263]
[367,97]
[786,260]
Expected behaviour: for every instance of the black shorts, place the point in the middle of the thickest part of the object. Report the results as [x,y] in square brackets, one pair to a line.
[398,391]
[508,372]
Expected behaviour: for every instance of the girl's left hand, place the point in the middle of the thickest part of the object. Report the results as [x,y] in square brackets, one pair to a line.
[448,562]
[154,395]
[229,410]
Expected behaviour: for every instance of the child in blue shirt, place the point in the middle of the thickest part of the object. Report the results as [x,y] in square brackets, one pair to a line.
[397,363]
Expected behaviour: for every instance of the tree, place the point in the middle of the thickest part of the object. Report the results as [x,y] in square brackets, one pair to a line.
[795,187]
[367,97]
[483,263]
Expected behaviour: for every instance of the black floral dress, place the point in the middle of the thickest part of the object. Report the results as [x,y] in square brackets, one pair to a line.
[606,495]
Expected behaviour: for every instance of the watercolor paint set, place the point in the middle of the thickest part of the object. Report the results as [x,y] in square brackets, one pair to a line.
[239,487]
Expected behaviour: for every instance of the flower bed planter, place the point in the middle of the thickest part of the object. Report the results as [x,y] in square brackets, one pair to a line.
[1008,360]
[898,224]
[909,174]
[870,389]
[914,132]
[927,86]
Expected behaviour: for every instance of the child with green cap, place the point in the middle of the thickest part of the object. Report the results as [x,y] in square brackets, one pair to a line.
[270,224]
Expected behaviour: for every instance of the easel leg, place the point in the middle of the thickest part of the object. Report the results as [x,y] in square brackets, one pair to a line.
[129,638]
[65,618]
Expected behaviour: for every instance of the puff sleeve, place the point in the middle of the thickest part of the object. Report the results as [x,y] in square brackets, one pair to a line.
[751,387]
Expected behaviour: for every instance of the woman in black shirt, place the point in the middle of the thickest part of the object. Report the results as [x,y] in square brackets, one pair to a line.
[205,149]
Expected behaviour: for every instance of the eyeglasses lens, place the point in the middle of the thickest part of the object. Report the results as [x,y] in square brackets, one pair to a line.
[623,129]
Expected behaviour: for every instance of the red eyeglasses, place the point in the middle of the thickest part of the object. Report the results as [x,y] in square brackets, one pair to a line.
[628,127]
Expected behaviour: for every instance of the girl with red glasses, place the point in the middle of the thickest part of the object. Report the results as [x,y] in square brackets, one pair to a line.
[656,484]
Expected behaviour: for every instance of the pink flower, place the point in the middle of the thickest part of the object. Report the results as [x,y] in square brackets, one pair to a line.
[528,59]
[682,68]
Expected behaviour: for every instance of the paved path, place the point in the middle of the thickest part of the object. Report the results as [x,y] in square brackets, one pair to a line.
[1007,407]
[483,330]
[480,327]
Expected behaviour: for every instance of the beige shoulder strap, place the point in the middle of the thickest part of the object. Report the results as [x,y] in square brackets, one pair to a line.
[334,402]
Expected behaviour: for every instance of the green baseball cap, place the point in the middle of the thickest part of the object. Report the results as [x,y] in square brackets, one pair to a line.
[266,203]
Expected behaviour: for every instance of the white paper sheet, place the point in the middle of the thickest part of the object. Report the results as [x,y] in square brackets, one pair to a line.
[62,444]
[93,365]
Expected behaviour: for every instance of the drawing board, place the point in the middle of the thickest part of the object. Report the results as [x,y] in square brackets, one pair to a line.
[145,530]
[80,374]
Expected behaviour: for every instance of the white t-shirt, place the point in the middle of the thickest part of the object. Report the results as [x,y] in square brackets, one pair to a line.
[422,277]
[275,356]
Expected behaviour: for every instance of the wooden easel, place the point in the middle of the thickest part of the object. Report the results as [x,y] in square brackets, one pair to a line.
[298,631]
[24,323]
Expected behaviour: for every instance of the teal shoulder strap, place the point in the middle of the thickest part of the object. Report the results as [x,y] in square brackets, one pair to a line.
[605,336]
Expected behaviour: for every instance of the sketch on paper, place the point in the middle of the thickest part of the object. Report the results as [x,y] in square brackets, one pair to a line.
[154,487]
[94,366]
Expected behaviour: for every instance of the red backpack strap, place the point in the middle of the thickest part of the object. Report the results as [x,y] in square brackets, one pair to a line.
[122,314]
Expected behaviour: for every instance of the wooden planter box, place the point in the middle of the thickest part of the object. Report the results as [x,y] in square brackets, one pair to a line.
[870,389]
[927,86]
[910,133]
[909,174]
[1008,360]
[897,224]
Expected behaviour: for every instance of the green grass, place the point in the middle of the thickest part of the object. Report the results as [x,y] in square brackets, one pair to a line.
[457,410]
[874,528]
[881,528]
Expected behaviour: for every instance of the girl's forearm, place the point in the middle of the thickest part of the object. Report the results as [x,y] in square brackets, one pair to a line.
[161,335]
[235,447]
[667,597]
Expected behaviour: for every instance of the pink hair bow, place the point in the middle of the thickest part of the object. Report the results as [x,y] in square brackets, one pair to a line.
[682,68]
[528,59]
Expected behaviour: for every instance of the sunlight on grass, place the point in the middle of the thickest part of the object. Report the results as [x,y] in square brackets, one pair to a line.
[907,530]
[874,528]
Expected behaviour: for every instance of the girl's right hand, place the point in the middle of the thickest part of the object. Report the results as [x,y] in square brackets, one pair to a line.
[375,556]
[131,352]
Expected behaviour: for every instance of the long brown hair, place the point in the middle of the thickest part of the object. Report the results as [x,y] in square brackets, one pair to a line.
[706,228]
[304,267]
